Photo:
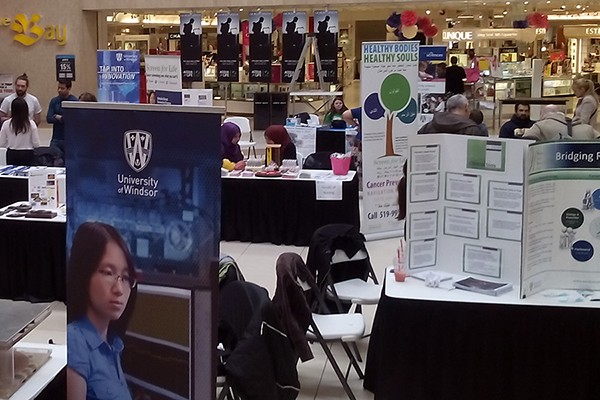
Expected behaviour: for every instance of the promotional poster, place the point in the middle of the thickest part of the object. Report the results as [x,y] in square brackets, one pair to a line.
[260,25]
[118,76]
[294,35]
[191,47]
[561,244]
[144,221]
[326,31]
[465,205]
[65,66]
[432,82]
[389,94]
[163,79]
[228,47]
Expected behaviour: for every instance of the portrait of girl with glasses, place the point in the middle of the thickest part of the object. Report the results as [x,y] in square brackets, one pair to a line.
[100,301]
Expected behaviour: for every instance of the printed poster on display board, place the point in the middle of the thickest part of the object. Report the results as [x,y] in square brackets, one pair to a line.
[65,66]
[260,27]
[190,30]
[561,245]
[228,47]
[465,205]
[294,35]
[118,76]
[432,82]
[154,191]
[7,84]
[326,28]
[389,94]
[163,79]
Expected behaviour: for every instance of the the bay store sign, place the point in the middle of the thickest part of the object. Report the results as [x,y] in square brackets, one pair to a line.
[28,30]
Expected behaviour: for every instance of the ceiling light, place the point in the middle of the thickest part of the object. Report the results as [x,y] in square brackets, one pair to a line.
[504,12]
[508,2]
[525,10]
[578,6]
[484,3]
[547,1]
[480,16]
[543,48]
[563,7]
[241,9]
[525,2]
[427,12]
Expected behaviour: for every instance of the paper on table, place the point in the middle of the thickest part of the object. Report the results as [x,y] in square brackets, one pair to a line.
[329,190]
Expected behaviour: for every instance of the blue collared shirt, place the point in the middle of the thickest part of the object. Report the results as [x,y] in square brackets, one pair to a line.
[97,361]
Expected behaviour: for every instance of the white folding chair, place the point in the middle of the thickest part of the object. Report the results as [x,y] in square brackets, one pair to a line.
[314,120]
[299,159]
[2,156]
[355,291]
[323,328]
[244,124]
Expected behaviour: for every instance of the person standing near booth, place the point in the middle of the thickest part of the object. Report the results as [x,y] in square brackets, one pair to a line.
[55,114]
[19,135]
[102,293]
[586,111]
[21,86]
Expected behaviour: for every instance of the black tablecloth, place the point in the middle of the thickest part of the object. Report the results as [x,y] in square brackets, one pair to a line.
[13,190]
[281,211]
[32,260]
[434,350]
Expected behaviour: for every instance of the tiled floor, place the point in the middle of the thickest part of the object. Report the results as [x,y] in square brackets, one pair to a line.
[257,261]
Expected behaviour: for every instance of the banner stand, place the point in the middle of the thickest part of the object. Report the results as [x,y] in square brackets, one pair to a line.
[383,235]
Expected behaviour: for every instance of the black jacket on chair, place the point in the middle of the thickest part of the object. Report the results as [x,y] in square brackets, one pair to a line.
[262,362]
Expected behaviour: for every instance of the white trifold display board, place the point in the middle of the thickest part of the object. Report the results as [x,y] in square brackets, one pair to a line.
[561,248]
[389,94]
[465,205]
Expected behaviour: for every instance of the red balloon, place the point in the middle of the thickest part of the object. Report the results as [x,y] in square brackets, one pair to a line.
[424,22]
[408,18]
[430,31]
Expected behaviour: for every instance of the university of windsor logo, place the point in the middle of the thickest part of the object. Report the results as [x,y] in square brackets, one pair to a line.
[137,146]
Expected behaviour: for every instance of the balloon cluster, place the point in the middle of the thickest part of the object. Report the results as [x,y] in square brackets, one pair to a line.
[538,20]
[407,24]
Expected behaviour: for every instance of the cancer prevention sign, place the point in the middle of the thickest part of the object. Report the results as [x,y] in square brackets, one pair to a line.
[389,90]
[118,76]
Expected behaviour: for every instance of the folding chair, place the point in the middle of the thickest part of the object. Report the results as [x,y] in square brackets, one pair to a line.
[244,124]
[258,360]
[339,259]
[293,279]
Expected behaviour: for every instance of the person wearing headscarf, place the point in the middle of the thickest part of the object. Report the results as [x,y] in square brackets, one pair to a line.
[277,134]
[231,154]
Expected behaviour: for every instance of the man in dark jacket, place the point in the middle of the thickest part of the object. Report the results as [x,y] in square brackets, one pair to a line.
[520,120]
[454,120]
[455,77]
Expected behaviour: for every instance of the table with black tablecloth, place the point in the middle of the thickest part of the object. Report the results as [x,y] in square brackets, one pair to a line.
[32,259]
[435,344]
[282,211]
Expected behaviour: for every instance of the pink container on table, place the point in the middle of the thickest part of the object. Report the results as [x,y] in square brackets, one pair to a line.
[340,166]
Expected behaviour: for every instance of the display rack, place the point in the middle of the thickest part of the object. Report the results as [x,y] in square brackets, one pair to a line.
[557,86]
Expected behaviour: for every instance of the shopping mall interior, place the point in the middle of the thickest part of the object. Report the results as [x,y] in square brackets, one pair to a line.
[526,49]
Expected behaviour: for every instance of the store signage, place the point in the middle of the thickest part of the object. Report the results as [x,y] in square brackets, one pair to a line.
[65,66]
[540,31]
[29,31]
[582,31]
[452,35]
[457,36]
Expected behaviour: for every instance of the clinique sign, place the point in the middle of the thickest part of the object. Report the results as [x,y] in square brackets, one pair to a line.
[457,36]
[29,30]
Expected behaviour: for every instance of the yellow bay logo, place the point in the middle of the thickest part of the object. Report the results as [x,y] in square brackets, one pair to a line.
[29,31]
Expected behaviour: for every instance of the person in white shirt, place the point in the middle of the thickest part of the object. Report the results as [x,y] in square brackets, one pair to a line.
[21,86]
[20,135]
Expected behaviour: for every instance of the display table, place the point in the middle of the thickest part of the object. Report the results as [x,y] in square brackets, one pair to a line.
[33,258]
[283,211]
[436,344]
[13,189]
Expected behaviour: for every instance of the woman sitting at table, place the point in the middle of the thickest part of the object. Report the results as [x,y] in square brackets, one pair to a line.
[277,134]
[231,154]
[335,112]
[102,293]
[19,135]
